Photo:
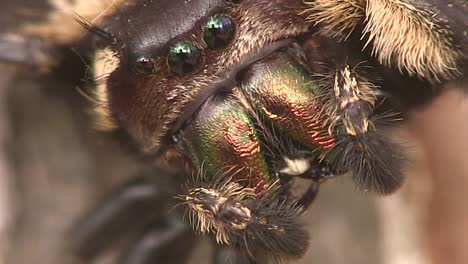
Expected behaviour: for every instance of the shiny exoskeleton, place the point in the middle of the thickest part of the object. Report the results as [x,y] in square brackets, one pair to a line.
[241,97]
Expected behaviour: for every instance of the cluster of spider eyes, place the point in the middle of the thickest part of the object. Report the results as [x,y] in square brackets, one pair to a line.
[184,57]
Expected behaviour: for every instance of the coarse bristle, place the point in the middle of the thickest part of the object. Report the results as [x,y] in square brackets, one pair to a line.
[208,205]
[60,26]
[258,226]
[355,98]
[375,161]
[348,97]
[410,38]
[105,62]
[338,18]
[400,34]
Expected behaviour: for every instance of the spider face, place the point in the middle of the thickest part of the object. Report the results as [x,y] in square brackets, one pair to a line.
[237,91]
[162,63]
[244,92]
[249,95]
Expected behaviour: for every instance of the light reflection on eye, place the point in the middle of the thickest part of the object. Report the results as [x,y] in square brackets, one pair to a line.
[219,31]
[184,58]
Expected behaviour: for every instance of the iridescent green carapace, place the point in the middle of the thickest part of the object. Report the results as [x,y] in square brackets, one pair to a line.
[223,141]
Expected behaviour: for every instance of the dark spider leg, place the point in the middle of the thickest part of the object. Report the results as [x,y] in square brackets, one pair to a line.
[162,242]
[309,195]
[132,205]
[317,173]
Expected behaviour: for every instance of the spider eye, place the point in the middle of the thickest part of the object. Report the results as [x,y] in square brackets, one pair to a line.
[144,65]
[184,58]
[218,31]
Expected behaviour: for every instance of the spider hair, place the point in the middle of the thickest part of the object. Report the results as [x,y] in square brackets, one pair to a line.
[254,223]
[401,33]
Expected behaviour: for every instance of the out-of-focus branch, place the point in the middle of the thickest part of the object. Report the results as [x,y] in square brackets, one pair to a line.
[6,186]
[443,129]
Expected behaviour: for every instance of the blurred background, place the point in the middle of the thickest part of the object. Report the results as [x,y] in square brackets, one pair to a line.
[54,167]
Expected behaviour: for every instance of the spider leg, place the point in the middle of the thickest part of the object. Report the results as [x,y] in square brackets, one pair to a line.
[309,195]
[134,204]
[317,173]
[260,227]
[162,242]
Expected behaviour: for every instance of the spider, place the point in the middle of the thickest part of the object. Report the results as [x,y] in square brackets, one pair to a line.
[240,98]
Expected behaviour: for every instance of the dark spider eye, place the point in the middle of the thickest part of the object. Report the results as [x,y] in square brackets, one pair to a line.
[184,58]
[219,31]
[144,65]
